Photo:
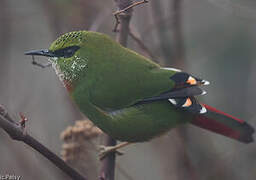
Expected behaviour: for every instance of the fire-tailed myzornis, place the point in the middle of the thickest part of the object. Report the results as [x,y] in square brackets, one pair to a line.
[128,96]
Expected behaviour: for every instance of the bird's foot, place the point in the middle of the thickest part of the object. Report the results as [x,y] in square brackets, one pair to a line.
[106,150]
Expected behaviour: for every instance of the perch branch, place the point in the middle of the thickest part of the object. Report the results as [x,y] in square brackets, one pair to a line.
[124,20]
[107,171]
[17,132]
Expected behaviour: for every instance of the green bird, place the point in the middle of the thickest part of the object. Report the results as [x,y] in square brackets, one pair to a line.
[130,97]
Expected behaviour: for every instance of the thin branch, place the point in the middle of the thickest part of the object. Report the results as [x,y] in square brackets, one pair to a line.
[107,171]
[141,44]
[167,21]
[124,9]
[124,20]
[129,7]
[17,132]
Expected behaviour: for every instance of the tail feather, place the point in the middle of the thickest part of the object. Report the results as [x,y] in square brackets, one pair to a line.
[225,124]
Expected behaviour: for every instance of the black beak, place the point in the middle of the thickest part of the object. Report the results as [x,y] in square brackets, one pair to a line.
[42,52]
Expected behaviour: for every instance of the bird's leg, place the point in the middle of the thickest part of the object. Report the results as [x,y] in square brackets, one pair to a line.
[105,150]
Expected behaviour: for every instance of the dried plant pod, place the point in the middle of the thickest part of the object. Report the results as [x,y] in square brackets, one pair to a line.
[79,149]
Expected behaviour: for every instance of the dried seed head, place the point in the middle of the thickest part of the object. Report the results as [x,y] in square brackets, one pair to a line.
[78,149]
[84,129]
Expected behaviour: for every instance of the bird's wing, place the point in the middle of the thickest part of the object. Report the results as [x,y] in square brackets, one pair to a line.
[182,95]
[174,94]
[183,79]
[140,81]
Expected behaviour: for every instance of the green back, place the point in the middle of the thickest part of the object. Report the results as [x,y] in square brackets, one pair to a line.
[117,77]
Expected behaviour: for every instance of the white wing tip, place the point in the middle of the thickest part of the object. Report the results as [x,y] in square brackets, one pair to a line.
[205,82]
[203,110]
[171,69]
[204,92]
[173,101]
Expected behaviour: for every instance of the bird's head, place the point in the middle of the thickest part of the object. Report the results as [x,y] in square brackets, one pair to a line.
[65,48]
[72,51]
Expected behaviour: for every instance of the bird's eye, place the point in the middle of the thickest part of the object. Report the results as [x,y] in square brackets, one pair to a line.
[66,52]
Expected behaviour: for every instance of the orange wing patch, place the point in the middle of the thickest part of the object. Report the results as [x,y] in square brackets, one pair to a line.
[187,103]
[191,81]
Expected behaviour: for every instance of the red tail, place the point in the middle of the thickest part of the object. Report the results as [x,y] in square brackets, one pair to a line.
[225,124]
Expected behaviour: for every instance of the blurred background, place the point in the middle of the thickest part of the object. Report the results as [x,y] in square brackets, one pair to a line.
[212,39]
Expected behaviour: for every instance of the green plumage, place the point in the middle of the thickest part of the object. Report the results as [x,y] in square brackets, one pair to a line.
[130,97]
[114,79]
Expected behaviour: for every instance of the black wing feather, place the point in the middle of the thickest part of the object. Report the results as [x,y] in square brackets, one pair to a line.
[176,93]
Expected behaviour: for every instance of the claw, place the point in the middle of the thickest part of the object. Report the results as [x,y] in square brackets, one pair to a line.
[106,150]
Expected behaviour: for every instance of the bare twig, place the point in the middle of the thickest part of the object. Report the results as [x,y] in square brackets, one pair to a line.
[168,21]
[124,18]
[122,10]
[129,7]
[141,44]
[16,132]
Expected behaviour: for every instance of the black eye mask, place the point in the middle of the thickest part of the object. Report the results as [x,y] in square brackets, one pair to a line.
[66,52]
